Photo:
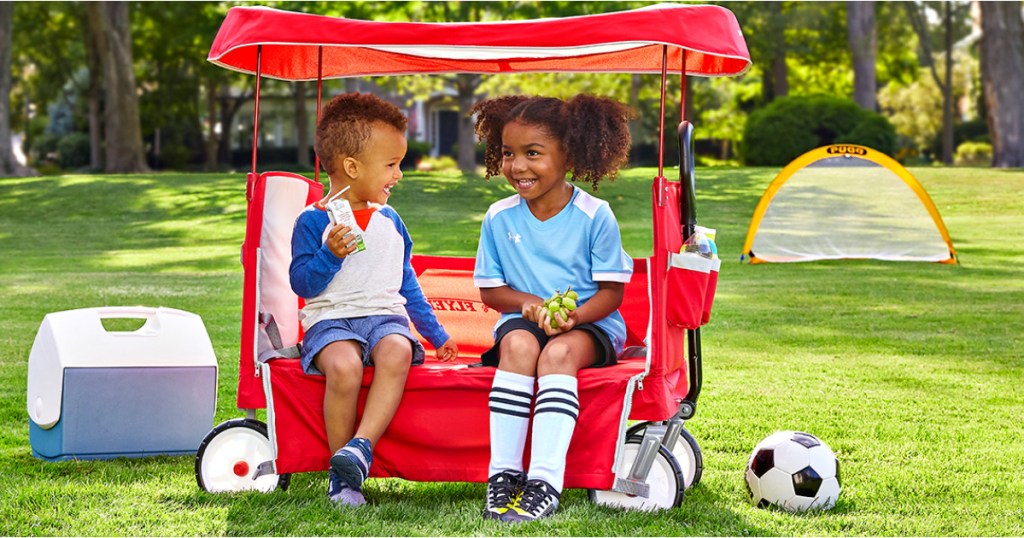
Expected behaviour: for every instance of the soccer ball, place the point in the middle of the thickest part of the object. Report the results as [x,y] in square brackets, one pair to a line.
[794,471]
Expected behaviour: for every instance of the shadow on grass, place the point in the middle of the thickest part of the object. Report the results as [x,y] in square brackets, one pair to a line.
[88,220]
[397,507]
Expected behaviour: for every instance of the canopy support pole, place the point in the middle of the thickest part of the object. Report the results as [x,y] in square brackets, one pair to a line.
[319,97]
[250,180]
[256,110]
[661,112]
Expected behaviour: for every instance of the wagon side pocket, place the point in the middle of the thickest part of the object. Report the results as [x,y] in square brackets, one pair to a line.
[709,295]
[689,276]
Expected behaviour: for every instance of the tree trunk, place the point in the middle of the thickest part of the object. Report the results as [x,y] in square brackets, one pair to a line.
[775,81]
[94,94]
[466,84]
[229,107]
[301,124]
[863,43]
[110,24]
[1002,70]
[780,74]
[212,138]
[9,166]
[947,87]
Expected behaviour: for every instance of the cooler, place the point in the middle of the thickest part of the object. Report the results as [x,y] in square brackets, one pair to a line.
[98,394]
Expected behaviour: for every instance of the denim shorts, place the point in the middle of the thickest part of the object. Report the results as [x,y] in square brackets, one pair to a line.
[366,331]
[603,344]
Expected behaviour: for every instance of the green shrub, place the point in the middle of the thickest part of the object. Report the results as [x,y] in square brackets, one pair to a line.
[435,164]
[44,148]
[874,132]
[73,151]
[417,150]
[175,157]
[791,126]
[973,153]
[968,131]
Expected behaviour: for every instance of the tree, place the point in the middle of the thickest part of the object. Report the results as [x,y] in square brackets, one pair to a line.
[94,94]
[861,36]
[1002,72]
[9,166]
[764,25]
[48,54]
[110,25]
[950,13]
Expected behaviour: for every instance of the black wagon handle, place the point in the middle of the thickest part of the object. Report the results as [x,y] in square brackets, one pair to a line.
[688,199]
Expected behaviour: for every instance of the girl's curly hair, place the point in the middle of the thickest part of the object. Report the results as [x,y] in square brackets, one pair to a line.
[593,131]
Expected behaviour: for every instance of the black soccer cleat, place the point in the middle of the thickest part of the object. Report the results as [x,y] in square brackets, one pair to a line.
[538,500]
[502,491]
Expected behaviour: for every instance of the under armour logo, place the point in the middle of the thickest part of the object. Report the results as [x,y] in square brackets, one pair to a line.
[514,237]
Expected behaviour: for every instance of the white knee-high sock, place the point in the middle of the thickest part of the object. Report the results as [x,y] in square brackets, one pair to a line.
[511,397]
[554,420]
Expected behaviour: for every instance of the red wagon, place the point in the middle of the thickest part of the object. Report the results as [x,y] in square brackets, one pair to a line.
[440,432]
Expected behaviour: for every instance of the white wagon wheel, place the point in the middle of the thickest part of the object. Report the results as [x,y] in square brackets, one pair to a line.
[686,451]
[665,481]
[230,454]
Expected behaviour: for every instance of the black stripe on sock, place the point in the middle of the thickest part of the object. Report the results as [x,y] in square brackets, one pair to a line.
[571,403]
[519,393]
[502,411]
[517,403]
[563,391]
[556,410]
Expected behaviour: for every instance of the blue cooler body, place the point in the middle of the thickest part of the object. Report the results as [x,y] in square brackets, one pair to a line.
[94,394]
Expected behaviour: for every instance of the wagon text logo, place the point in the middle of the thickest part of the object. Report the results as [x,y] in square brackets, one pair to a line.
[841,149]
[444,304]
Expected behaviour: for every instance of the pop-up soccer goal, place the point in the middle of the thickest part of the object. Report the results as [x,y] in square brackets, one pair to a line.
[846,202]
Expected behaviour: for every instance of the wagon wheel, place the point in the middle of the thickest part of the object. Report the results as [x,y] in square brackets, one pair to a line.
[686,451]
[230,454]
[665,481]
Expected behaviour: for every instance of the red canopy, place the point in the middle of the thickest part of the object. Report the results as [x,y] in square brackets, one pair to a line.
[625,41]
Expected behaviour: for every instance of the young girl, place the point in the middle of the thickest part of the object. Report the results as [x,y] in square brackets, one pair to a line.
[548,236]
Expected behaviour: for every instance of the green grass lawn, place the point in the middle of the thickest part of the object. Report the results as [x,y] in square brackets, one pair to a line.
[911,372]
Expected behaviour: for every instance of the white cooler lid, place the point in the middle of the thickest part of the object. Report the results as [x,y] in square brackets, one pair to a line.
[77,339]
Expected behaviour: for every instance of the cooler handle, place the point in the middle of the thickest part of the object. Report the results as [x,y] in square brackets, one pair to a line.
[150,314]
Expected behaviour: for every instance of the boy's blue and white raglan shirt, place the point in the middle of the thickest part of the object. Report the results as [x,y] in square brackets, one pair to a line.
[578,247]
[378,281]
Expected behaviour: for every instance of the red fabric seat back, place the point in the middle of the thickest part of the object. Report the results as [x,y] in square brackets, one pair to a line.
[447,283]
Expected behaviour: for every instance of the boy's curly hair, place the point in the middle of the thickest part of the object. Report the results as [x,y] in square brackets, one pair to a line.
[346,124]
[594,131]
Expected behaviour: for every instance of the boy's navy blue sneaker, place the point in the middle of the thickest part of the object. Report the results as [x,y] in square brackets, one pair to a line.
[502,491]
[352,462]
[341,494]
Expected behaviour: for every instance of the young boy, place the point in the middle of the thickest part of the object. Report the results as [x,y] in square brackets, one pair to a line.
[359,303]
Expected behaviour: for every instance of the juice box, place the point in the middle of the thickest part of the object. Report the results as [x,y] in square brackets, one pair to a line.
[340,212]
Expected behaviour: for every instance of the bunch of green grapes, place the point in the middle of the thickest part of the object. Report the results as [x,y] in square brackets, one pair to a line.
[561,304]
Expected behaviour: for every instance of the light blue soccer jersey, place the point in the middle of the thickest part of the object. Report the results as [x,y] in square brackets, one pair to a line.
[578,247]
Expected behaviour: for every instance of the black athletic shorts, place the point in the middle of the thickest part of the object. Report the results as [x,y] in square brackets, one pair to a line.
[605,350]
